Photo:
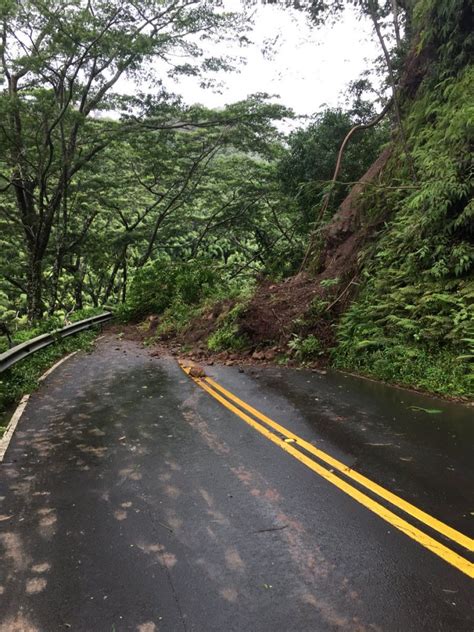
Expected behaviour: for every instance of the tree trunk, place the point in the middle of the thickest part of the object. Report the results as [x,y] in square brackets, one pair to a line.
[78,284]
[120,262]
[57,269]
[110,285]
[35,289]
[125,275]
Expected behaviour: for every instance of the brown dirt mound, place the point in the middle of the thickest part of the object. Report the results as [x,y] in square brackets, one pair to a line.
[129,331]
[272,311]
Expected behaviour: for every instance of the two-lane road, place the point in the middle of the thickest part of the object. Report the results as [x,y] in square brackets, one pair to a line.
[135,498]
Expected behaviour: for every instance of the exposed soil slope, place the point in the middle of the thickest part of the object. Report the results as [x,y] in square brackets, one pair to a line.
[273,310]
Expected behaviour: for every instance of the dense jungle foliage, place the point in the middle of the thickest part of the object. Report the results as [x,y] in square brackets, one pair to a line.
[413,321]
[152,206]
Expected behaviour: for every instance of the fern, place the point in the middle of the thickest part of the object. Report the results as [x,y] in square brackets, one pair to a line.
[415,312]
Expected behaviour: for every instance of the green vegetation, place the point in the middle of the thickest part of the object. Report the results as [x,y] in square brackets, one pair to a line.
[305,348]
[424,368]
[200,218]
[226,336]
[164,284]
[413,320]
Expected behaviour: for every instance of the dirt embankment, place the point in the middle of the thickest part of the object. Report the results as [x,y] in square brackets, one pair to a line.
[272,313]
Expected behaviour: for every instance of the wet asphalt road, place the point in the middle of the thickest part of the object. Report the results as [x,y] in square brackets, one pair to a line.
[133,501]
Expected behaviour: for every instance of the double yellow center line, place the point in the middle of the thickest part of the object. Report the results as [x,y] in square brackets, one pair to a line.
[296,446]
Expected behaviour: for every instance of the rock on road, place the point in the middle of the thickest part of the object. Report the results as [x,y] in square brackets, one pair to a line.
[132,500]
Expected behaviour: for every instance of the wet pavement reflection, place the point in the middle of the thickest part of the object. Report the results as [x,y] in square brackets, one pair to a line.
[130,500]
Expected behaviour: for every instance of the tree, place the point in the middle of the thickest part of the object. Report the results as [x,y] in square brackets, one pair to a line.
[308,166]
[158,192]
[60,61]
[196,178]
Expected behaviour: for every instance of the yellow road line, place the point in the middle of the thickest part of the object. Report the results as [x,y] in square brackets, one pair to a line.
[422,516]
[439,549]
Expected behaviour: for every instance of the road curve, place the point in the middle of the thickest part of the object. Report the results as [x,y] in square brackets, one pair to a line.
[134,500]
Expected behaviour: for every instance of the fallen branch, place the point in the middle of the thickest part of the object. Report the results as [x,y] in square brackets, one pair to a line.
[344,291]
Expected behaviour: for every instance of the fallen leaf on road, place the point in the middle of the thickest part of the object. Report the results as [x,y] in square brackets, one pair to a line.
[285,526]
[430,411]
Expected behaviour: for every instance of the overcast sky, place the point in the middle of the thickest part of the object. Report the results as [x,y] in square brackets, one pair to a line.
[309,68]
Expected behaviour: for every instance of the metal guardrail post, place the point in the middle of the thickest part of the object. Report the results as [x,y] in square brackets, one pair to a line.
[25,349]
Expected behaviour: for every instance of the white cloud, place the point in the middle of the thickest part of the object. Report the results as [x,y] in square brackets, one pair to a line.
[310,67]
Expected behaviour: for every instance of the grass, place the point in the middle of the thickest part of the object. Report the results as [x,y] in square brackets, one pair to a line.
[227,337]
[305,348]
[436,371]
[176,318]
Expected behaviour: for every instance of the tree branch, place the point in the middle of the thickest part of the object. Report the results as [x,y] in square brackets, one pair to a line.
[327,197]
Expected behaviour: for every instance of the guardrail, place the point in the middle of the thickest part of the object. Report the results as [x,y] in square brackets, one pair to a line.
[25,349]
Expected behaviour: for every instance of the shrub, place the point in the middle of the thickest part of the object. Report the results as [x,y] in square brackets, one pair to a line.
[227,336]
[158,284]
[305,348]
